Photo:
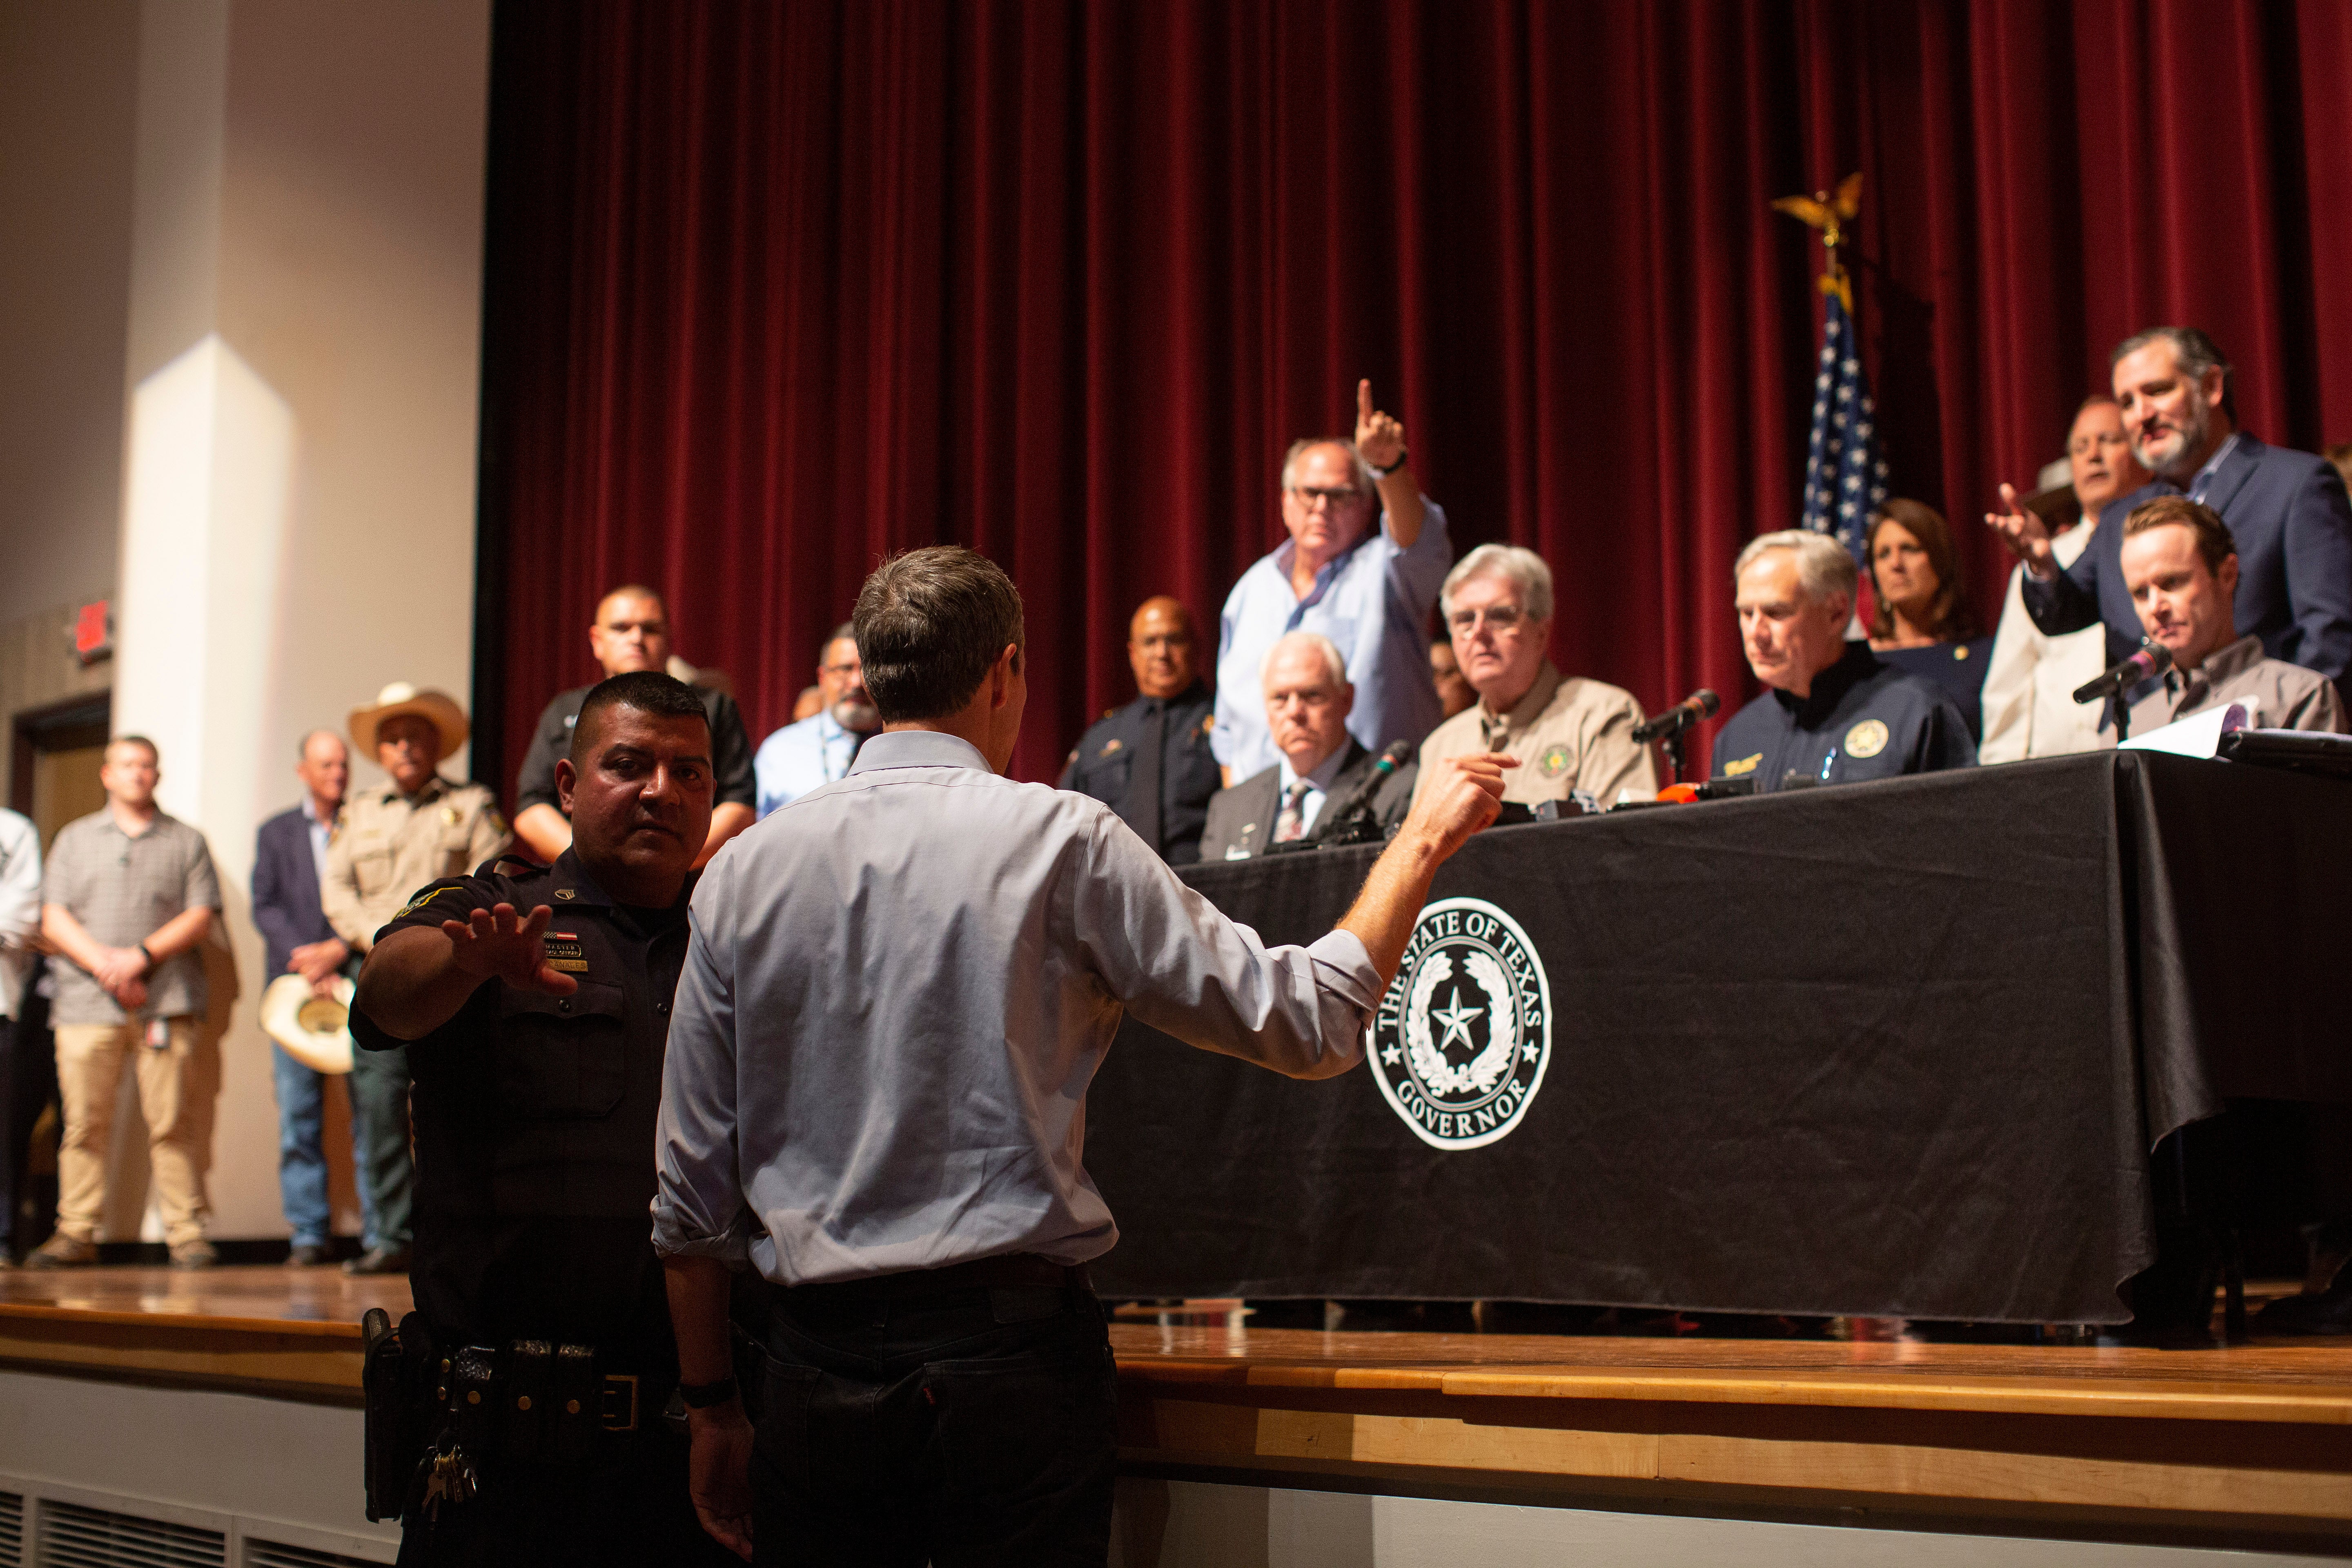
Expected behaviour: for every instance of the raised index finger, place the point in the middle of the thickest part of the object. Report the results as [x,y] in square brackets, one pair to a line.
[1364,400]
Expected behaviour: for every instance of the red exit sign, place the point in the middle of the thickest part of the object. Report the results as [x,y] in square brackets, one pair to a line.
[94,631]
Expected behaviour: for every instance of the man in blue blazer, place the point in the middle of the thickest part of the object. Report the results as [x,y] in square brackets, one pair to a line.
[291,848]
[2286,509]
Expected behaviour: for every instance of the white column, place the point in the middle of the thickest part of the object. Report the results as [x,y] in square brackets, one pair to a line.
[297,518]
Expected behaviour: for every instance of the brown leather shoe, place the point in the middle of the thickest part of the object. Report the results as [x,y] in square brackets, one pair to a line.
[63,1251]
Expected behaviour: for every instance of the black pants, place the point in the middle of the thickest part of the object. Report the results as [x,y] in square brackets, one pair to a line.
[976,1427]
[628,1508]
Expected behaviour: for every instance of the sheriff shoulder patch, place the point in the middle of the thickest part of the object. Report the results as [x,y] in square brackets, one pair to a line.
[418,902]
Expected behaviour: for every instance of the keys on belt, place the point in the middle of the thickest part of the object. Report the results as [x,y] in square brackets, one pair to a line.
[536,1403]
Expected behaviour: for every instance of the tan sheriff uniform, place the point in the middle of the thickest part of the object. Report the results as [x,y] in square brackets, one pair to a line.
[387,846]
[1567,733]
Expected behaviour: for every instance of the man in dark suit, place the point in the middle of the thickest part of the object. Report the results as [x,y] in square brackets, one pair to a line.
[1151,761]
[2286,509]
[292,847]
[1307,699]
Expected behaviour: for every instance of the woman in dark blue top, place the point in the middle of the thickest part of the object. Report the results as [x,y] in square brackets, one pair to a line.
[1920,621]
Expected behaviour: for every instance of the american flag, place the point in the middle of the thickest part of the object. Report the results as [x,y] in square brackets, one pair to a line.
[1844,478]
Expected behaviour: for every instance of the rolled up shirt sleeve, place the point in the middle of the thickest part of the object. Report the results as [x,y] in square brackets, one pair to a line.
[1180,966]
[699,1207]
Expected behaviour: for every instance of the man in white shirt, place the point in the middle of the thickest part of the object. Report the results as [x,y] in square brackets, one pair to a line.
[896,993]
[1366,554]
[818,750]
[2029,690]
[20,922]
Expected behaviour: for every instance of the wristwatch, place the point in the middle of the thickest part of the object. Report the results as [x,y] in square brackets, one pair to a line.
[1403,454]
[703,1395]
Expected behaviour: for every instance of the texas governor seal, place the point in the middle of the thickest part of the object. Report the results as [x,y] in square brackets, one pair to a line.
[1464,1034]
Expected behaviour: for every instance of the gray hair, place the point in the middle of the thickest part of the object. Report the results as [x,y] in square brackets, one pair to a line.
[1522,568]
[1299,448]
[1335,663]
[1824,567]
[2191,350]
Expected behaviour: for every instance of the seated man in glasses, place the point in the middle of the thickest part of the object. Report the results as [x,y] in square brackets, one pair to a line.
[1361,567]
[1573,737]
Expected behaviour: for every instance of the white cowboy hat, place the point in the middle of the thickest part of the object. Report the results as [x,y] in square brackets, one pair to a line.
[400,697]
[315,1030]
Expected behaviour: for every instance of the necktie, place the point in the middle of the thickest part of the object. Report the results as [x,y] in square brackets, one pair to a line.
[1141,807]
[1289,824]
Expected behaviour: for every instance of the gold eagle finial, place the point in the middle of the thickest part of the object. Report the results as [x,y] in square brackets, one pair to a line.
[1829,214]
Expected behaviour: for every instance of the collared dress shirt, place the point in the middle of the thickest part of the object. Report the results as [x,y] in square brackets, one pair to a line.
[20,911]
[801,757]
[1569,734]
[388,845]
[897,990]
[1861,720]
[122,889]
[1319,786]
[2286,696]
[2030,680]
[1373,603]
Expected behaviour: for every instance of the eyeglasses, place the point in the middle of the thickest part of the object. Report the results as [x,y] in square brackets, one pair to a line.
[1307,495]
[1499,618]
[839,668]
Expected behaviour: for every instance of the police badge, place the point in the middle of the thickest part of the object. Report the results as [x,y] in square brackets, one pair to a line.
[1462,1039]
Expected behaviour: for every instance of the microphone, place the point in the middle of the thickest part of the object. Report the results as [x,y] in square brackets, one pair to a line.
[1700,704]
[1342,823]
[2152,659]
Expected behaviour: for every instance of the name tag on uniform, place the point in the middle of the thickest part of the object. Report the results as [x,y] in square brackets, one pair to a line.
[1744,765]
[564,951]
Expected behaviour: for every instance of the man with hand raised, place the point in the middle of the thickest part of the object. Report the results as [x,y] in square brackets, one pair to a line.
[534,1005]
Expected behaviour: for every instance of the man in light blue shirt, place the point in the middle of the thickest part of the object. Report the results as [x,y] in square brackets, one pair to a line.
[818,750]
[874,1092]
[1367,588]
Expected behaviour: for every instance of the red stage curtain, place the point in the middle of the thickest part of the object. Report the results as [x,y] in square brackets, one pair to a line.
[775,289]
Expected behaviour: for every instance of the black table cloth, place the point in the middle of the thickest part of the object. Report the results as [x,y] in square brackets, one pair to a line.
[1894,1049]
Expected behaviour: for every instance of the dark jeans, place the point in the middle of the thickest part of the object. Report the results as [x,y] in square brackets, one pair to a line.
[977,1427]
[631,1508]
[387,1178]
[303,1154]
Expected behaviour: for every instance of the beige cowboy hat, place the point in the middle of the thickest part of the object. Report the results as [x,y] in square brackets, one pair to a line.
[400,697]
[315,1030]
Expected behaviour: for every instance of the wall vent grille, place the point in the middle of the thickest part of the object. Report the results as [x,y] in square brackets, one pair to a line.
[72,1536]
[277,1554]
[12,1531]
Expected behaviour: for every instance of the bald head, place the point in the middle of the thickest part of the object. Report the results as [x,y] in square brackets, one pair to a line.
[632,631]
[1160,647]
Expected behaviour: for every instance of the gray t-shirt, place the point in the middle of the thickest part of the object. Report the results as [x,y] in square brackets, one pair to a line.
[122,888]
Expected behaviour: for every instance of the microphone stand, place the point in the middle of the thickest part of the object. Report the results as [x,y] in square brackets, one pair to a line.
[1673,746]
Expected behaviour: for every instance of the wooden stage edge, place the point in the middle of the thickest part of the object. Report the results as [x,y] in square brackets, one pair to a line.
[2247,1446]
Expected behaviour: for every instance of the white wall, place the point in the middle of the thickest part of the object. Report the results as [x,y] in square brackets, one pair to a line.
[274,284]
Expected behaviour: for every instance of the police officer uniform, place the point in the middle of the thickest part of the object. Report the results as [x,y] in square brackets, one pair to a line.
[535,1280]
[1864,719]
[731,750]
[1161,737]
[384,846]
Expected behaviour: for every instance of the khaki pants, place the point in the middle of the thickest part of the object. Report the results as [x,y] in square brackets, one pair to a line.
[177,1087]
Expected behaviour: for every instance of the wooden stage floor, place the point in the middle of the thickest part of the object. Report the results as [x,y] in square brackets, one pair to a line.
[2247,1446]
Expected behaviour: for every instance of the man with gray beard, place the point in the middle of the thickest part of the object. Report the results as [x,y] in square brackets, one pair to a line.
[2286,509]
[818,750]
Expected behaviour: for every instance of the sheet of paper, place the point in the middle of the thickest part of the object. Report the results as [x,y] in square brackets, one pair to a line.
[2199,736]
